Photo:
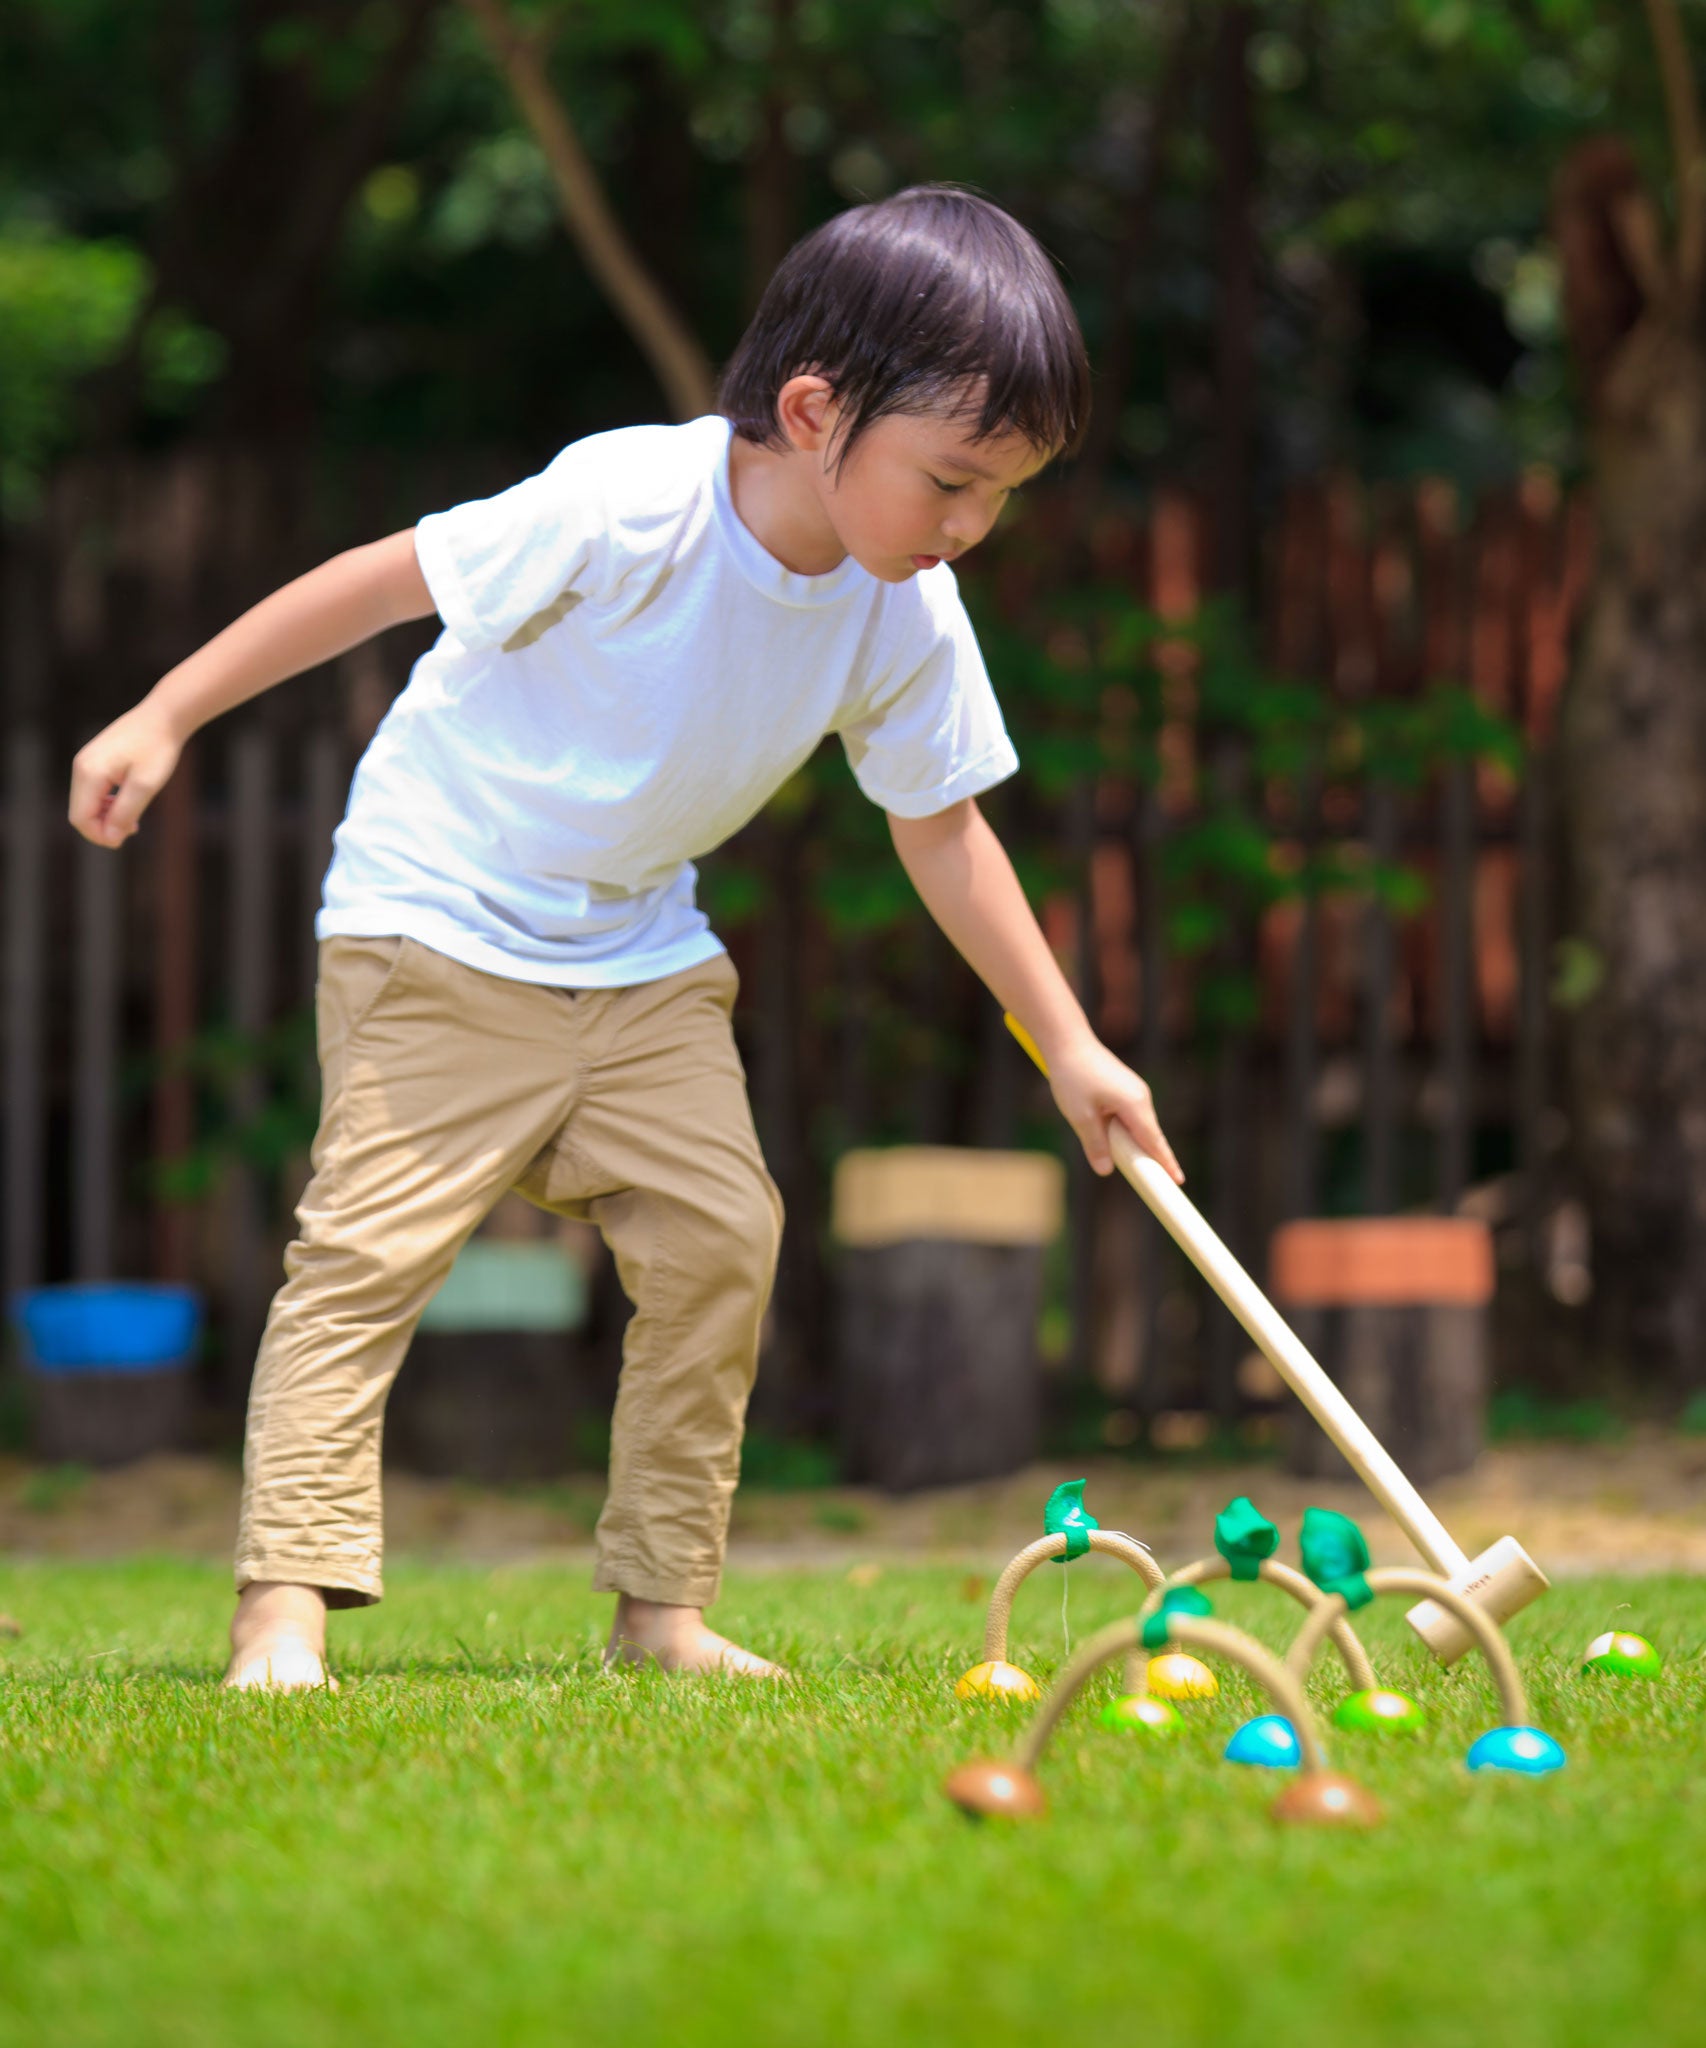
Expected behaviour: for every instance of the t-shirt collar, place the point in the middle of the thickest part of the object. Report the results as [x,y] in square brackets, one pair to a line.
[759,566]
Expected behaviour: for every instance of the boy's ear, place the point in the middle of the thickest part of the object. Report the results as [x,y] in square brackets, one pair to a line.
[805,411]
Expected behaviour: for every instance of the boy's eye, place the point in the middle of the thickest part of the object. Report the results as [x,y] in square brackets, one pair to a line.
[1006,490]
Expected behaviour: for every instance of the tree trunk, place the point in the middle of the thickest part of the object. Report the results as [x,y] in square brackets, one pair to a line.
[674,353]
[1633,749]
[1232,539]
[258,207]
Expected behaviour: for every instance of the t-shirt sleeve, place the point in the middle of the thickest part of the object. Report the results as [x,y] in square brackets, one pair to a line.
[930,733]
[494,564]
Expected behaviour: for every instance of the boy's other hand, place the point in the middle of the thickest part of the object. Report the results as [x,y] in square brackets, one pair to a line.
[119,773]
[1093,1088]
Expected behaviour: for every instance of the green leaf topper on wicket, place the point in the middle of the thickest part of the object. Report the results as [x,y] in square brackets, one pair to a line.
[1176,1600]
[1066,1515]
[1244,1537]
[1335,1555]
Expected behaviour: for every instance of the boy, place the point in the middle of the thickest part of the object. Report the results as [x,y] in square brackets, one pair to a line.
[516,990]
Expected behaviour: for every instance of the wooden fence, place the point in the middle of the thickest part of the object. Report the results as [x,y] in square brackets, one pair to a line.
[1392,1063]
[1397,1063]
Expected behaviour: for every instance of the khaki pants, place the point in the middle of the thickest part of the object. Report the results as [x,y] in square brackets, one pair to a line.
[442,1089]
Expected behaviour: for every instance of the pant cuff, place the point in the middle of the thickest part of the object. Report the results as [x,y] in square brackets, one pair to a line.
[343,1584]
[691,1589]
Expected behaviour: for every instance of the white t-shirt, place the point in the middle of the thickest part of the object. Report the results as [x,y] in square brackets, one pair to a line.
[624,678]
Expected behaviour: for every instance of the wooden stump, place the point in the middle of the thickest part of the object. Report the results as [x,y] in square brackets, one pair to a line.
[95,1417]
[1395,1309]
[941,1279]
[488,1405]
[490,1389]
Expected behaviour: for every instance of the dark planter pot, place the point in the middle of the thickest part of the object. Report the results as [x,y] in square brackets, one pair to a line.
[107,1369]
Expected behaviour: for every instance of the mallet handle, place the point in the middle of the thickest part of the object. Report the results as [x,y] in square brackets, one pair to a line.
[1272,1336]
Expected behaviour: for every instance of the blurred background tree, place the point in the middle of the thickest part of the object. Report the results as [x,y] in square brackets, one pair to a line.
[1631,228]
[343,224]
[1305,238]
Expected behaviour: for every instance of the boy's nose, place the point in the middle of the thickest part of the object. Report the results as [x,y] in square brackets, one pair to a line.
[965,532]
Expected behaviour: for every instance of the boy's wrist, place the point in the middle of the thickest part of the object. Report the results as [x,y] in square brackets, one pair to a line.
[1063,1038]
[169,708]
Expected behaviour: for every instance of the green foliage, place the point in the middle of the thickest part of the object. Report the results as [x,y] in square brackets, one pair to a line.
[50,1488]
[1089,689]
[66,308]
[1578,971]
[784,1464]
[258,1104]
[1523,1415]
[839,1517]
[69,308]
[1410,314]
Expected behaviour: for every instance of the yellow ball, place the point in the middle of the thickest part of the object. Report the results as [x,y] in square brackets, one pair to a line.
[997,1681]
[1175,1676]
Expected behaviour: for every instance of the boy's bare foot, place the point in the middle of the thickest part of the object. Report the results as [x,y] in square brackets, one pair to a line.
[278,1640]
[646,1631]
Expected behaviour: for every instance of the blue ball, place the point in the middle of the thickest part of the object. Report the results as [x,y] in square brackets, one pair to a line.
[1269,1740]
[1530,1752]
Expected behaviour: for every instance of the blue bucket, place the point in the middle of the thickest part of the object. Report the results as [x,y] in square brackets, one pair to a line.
[108,1327]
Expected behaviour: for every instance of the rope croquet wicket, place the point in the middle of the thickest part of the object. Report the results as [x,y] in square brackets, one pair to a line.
[995,1676]
[1271,1572]
[1335,1555]
[991,1788]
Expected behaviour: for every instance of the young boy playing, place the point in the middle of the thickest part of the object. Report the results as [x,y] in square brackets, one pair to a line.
[516,991]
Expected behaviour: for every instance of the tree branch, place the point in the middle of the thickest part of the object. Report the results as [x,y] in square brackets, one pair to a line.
[1682,111]
[1611,246]
[1640,240]
[682,366]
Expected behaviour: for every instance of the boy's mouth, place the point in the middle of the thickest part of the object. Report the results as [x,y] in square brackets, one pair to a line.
[925,561]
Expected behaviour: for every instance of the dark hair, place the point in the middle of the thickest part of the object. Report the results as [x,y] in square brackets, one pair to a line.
[934,300]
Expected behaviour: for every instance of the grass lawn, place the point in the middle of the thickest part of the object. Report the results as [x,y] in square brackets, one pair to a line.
[486,1839]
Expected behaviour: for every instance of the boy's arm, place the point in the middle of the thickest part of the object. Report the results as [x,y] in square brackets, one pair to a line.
[325,613]
[962,872]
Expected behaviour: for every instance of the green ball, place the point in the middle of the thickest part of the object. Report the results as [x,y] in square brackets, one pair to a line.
[1186,1600]
[1380,1712]
[1139,1713]
[1623,1656]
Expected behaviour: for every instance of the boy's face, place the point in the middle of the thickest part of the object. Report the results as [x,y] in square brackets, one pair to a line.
[918,488]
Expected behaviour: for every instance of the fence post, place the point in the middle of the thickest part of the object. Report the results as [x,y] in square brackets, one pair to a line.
[1442,660]
[176,871]
[1457,991]
[326,784]
[1149,829]
[1299,649]
[1380,963]
[97,942]
[249,941]
[26,999]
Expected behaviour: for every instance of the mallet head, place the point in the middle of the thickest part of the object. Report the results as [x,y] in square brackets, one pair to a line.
[1501,1581]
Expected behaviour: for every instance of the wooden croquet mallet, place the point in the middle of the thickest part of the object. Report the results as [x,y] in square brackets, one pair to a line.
[1502,1580]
